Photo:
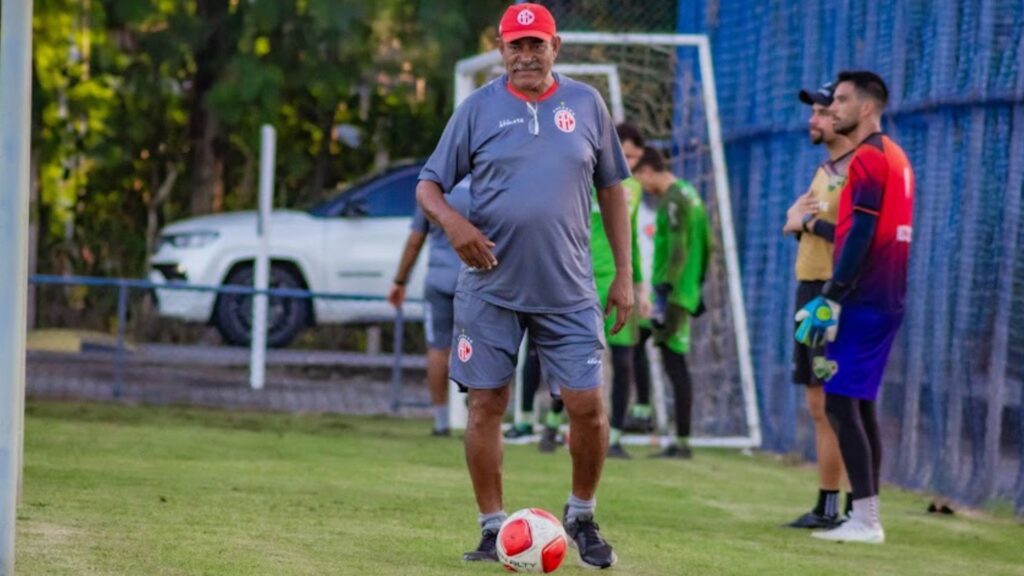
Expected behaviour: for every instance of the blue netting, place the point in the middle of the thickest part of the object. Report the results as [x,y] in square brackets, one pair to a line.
[951,403]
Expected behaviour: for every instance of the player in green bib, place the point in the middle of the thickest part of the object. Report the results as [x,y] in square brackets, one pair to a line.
[620,344]
[682,244]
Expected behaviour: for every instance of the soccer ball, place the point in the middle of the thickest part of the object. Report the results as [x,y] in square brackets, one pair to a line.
[532,540]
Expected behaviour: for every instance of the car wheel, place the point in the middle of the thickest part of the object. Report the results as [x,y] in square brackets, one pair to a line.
[286,317]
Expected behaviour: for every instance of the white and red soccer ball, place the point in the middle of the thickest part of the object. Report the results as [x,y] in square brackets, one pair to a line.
[532,540]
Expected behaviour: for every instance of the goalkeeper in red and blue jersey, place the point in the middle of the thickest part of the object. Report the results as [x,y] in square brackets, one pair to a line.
[861,308]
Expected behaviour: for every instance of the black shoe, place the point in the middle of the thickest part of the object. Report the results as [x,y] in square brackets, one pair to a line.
[617,451]
[441,433]
[675,451]
[637,424]
[814,520]
[585,537]
[548,440]
[486,551]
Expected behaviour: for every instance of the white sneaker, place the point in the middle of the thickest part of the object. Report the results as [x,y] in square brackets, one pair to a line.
[853,530]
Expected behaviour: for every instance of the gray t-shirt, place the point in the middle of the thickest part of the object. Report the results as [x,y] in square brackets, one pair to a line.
[531,189]
[443,264]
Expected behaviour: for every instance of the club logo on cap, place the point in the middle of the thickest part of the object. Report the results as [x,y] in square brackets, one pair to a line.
[565,119]
[525,17]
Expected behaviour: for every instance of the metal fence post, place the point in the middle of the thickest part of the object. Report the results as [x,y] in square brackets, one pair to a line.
[396,367]
[122,319]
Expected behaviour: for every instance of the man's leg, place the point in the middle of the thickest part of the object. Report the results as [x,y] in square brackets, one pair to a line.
[437,381]
[483,361]
[484,445]
[830,464]
[588,442]
[845,415]
[439,316]
[570,351]
[640,418]
[483,458]
[588,445]
[682,386]
[622,373]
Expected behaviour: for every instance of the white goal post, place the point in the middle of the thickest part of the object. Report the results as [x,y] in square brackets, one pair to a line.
[467,73]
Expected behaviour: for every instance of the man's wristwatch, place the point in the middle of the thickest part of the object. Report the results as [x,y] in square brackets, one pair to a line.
[807,220]
[399,282]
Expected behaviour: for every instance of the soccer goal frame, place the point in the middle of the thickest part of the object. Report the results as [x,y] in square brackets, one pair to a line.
[466,71]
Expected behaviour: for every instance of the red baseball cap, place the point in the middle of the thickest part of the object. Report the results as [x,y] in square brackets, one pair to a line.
[526,21]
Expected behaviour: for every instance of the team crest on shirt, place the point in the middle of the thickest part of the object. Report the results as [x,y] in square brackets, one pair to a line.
[464,348]
[565,119]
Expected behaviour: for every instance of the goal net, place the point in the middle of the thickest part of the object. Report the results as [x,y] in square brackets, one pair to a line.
[664,84]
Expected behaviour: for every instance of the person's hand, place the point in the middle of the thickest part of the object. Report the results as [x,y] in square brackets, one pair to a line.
[620,299]
[397,295]
[819,322]
[471,245]
[805,204]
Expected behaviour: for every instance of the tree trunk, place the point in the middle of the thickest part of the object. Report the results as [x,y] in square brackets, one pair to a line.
[204,125]
[323,157]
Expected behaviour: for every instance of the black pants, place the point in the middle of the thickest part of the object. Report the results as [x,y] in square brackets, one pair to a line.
[642,369]
[679,375]
[856,427]
[622,374]
[531,380]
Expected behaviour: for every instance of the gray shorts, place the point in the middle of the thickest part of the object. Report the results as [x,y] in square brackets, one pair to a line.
[437,317]
[486,343]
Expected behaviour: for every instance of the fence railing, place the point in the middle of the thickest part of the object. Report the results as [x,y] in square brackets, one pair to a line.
[125,285]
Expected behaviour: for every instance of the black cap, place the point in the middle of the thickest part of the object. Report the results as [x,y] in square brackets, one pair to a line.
[822,96]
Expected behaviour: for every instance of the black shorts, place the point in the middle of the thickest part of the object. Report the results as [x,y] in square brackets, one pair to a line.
[803,356]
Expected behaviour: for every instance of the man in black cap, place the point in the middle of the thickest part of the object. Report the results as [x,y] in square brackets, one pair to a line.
[811,219]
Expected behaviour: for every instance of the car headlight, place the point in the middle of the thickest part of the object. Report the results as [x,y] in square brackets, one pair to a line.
[186,240]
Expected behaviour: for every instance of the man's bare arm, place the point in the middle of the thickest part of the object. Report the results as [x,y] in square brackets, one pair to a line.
[615,214]
[469,243]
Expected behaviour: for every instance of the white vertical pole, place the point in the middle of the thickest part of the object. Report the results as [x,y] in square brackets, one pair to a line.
[258,355]
[732,266]
[15,143]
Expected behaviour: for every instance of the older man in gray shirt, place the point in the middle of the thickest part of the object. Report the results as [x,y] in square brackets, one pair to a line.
[535,143]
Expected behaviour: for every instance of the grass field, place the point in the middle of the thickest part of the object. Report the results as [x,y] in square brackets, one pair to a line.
[123,490]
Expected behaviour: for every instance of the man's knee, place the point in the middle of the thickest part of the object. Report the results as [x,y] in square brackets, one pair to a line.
[488,404]
[584,405]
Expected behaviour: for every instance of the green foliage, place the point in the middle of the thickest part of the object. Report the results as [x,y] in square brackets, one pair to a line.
[117,84]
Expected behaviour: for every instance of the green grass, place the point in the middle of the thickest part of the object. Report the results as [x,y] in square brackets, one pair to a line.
[123,490]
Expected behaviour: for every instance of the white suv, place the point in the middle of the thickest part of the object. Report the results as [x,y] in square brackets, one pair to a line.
[349,244]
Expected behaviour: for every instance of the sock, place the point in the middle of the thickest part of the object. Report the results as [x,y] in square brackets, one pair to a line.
[441,417]
[828,503]
[683,440]
[553,419]
[492,522]
[614,435]
[641,411]
[848,509]
[866,510]
[580,508]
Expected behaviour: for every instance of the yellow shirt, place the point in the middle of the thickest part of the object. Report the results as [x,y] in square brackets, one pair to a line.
[814,256]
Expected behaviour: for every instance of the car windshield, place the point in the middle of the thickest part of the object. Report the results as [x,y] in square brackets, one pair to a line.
[331,206]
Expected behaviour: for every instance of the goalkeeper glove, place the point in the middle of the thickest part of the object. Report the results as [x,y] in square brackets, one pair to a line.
[819,322]
[823,368]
